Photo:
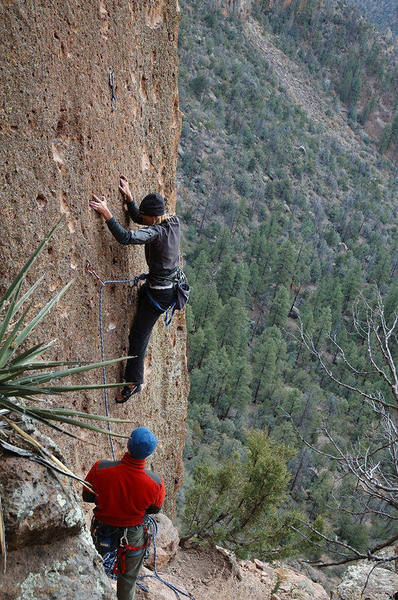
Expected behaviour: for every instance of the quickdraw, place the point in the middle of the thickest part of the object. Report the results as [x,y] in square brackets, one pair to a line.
[112,86]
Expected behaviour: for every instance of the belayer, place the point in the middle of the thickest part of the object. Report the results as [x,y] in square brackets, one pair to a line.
[162,289]
[124,492]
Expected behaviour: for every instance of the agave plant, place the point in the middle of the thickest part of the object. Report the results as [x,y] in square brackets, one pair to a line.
[25,378]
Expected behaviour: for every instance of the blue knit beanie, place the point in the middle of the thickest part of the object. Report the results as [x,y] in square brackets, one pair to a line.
[142,443]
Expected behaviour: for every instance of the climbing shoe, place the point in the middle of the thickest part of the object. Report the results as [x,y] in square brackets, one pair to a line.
[126,393]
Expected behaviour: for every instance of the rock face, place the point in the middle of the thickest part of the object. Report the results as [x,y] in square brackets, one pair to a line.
[167,541]
[381,585]
[70,569]
[89,92]
[51,555]
[63,138]
[37,509]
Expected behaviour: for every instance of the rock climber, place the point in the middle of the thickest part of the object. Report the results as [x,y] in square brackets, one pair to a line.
[124,492]
[161,236]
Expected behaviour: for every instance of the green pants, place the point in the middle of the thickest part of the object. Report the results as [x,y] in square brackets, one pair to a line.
[126,582]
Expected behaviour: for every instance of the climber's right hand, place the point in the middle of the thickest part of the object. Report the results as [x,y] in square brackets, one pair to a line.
[101,207]
[125,188]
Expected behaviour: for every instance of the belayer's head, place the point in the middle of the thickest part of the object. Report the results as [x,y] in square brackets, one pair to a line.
[141,443]
[152,206]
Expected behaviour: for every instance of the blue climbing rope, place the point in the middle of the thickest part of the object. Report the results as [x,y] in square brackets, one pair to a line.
[152,525]
[109,560]
[134,283]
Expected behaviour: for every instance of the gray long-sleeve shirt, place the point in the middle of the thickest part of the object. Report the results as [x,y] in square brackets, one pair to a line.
[161,243]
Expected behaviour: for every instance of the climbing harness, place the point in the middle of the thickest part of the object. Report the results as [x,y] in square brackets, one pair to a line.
[112,86]
[114,561]
[168,312]
[182,294]
[182,288]
[124,548]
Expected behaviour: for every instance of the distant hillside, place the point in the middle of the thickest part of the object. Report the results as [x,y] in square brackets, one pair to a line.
[383,13]
[287,208]
[335,47]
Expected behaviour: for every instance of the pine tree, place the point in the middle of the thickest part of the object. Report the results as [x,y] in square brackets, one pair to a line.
[237,504]
[225,279]
[323,325]
[205,304]
[368,109]
[264,363]
[284,264]
[241,282]
[232,326]
[280,306]
[222,247]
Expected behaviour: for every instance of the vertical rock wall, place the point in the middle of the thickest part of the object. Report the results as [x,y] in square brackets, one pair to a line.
[60,141]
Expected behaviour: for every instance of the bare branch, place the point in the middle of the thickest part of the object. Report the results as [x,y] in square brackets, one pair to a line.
[355,554]
[346,361]
[309,345]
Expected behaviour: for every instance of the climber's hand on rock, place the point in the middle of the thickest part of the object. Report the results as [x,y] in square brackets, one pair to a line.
[125,188]
[100,205]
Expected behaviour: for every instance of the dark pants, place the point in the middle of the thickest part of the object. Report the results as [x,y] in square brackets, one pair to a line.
[145,319]
[106,538]
[126,582]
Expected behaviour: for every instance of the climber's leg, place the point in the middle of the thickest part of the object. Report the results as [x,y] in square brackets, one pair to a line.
[145,319]
[126,582]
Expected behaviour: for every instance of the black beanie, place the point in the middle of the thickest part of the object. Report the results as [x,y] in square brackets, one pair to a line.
[152,205]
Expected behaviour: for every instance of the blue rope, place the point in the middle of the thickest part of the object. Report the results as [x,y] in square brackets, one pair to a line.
[134,283]
[109,561]
[110,558]
[153,528]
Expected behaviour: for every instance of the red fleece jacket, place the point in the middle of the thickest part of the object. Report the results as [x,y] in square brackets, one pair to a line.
[124,491]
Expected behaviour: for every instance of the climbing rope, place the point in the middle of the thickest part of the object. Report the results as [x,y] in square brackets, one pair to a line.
[110,562]
[134,282]
[152,525]
[110,559]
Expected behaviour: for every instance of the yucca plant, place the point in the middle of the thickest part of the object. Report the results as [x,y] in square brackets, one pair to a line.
[26,378]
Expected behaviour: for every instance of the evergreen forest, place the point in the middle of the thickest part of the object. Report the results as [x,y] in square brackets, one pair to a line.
[291,250]
[383,13]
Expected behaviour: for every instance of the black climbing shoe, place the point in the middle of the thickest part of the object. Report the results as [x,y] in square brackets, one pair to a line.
[127,392]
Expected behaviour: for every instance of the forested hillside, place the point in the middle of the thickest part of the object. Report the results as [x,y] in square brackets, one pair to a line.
[290,222]
[383,13]
[342,53]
